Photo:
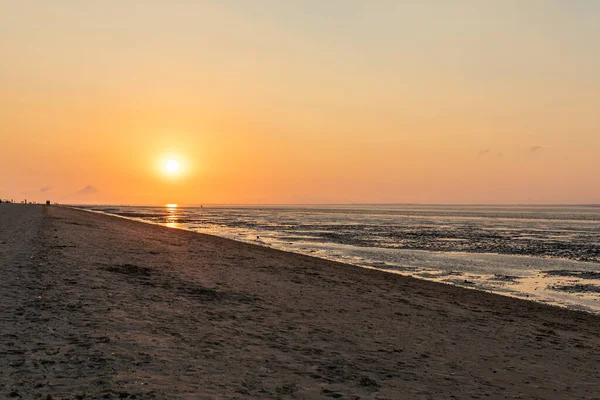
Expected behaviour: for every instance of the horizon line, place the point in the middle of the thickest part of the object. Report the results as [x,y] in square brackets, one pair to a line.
[341,204]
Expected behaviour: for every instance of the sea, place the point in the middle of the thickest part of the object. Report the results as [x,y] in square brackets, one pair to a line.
[549,254]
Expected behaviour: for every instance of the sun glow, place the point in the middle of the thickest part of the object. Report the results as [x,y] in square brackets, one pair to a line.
[172,166]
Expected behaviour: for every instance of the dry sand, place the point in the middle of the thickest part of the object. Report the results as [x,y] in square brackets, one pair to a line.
[93,306]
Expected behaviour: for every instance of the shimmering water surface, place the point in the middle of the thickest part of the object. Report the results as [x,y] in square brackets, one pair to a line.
[548,254]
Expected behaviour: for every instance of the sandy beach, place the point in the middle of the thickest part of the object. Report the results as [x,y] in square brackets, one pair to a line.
[95,306]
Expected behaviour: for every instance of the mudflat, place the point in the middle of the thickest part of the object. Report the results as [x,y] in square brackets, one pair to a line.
[95,306]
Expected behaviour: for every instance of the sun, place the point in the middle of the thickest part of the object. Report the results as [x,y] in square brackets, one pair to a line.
[172,166]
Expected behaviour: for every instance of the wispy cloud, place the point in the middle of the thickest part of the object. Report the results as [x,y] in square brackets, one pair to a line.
[490,153]
[45,189]
[535,149]
[88,190]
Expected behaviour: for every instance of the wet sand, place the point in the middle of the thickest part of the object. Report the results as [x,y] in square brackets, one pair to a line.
[94,306]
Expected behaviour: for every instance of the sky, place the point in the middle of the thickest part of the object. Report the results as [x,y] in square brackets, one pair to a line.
[274,102]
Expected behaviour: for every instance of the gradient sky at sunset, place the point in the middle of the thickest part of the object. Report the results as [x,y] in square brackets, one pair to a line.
[308,101]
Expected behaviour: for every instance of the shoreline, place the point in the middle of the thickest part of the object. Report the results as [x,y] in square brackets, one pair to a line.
[101,306]
[521,287]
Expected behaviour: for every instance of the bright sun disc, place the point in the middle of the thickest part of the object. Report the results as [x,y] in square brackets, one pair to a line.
[172,166]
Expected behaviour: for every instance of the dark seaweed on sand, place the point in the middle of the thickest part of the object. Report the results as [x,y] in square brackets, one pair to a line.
[575,274]
[578,288]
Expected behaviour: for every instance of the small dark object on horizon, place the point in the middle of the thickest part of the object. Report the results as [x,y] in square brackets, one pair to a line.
[47,202]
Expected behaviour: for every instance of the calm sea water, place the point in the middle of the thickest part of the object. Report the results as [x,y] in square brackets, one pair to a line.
[547,254]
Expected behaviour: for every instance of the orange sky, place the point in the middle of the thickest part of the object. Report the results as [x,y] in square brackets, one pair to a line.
[316,102]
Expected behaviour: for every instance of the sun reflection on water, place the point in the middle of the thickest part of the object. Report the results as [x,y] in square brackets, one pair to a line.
[172,217]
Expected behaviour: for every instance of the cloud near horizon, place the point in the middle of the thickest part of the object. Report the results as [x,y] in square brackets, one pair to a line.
[88,190]
[46,189]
